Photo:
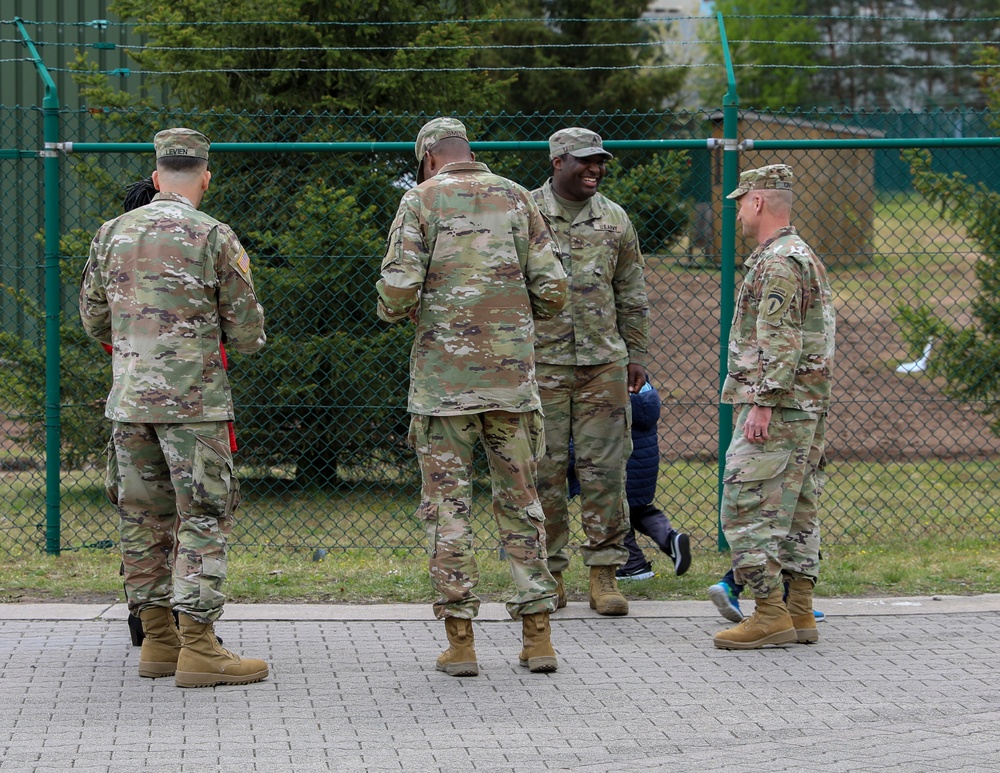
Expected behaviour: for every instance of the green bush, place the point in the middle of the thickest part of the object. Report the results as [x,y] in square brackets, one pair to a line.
[968,358]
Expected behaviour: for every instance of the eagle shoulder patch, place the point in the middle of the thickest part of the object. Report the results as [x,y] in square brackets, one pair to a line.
[775,302]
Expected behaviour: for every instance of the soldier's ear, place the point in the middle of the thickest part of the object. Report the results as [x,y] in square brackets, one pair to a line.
[155,177]
[206,178]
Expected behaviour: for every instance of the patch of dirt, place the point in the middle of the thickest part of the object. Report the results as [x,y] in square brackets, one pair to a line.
[36,596]
[877,414]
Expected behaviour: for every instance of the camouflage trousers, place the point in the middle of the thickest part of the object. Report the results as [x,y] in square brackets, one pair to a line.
[589,404]
[176,494]
[444,446]
[769,501]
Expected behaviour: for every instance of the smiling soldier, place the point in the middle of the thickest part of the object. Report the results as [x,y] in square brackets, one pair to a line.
[589,358]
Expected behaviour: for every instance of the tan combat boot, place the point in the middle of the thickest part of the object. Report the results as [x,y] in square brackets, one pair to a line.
[770,623]
[537,654]
[604,594]
[800,607]
[460,657]
[161,643]
[560,590]
[203,662]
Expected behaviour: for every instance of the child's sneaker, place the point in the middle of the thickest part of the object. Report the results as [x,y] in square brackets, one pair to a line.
[726,601]
[680,546]
[820,617]
[639,573]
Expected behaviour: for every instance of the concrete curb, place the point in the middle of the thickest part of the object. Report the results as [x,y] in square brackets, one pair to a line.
[492,611]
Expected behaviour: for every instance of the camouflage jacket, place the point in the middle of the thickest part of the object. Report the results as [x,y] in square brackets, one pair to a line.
[469,251]
[781,343]
[607,316]
[164,284]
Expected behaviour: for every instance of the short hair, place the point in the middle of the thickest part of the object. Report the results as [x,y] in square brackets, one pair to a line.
[181,164]
[451,146]
[780,200]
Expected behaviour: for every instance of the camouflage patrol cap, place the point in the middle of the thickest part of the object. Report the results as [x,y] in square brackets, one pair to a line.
[578,142]
[774,177]
[436,130]
[181,142]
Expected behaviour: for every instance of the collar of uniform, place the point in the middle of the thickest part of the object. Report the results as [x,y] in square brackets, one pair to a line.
[554,209]
[463,166]
[169,196]
[788,230]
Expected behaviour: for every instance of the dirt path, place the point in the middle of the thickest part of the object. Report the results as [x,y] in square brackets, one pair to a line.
[877,415]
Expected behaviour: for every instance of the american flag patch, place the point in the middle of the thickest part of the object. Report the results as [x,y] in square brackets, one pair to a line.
[243,262]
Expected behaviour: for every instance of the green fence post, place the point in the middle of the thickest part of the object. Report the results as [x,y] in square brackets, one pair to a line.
[53,298]
[730,175]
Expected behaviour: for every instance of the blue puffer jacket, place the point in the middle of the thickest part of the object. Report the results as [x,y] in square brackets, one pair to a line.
[644,463]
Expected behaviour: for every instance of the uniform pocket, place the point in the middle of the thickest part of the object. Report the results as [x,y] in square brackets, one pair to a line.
[536,433]
[215,487]
[417,436]
[111,473]
[753,466]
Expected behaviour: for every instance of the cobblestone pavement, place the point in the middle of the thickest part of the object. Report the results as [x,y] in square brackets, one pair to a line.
[892,685]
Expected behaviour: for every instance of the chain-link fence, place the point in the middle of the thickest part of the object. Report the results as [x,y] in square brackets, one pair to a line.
[321,417]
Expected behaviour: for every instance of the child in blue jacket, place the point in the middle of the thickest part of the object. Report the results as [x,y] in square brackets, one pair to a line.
[641,472]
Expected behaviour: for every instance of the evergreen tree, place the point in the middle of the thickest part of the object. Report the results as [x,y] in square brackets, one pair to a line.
[968,358]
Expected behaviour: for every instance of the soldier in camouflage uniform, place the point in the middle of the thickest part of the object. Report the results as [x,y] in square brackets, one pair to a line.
[469,260]
[590,357]
[781,348]
[165,284]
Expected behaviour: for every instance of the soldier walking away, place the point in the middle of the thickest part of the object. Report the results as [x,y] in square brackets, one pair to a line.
[591,356]
[781,349]
[470,262]
[164,286]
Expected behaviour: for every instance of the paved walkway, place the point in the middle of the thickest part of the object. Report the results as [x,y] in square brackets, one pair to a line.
[908,685]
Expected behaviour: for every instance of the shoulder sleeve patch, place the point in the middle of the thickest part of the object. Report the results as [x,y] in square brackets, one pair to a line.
[777,297]
[239,260]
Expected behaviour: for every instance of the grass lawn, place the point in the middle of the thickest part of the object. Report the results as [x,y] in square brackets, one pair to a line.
[924,567]
[918,529]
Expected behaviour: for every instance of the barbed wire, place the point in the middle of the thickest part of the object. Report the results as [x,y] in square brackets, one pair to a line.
[539,20]
[104,23]
[139,48]
[124,71]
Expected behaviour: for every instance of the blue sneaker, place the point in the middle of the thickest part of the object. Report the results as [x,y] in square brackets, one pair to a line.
[726,601]
[820,617]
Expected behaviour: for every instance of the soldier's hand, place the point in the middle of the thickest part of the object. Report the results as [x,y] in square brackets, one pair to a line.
[757,423]
[636,378]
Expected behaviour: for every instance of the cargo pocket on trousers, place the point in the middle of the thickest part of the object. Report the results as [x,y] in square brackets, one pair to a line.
[215,487]
[536,434]
[428,513]
[756,466]
[111,473]
[416,438]
[213,577]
